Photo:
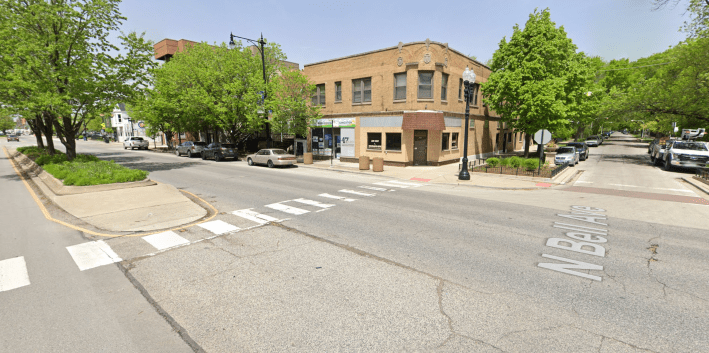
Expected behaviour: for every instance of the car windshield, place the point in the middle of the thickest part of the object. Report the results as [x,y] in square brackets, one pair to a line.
[565,150]
[577,145]
[200,143]
[279,152]
[695,146]
[137,139]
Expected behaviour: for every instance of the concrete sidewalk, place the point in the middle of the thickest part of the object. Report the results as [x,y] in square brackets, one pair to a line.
[448,174]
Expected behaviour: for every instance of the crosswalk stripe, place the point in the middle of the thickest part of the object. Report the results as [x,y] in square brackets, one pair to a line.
[92,254]
[254,216]
[372,188]
[165,240]
[218,227]
[314,203]
[13,274]
[355,192]
[337,197]
[398,184]
[287,209]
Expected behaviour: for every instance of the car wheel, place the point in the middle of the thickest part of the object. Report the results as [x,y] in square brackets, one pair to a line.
[652,159]
[658,161]
[249,161]
[668,163]
[270,163]
[204,156]
[218,158]
[189,154]
[177,153]
[125,148]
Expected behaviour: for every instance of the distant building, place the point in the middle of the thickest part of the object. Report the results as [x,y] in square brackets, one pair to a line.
[123,125]
[404,103]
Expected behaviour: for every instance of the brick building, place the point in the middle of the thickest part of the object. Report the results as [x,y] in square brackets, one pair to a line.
[405,104]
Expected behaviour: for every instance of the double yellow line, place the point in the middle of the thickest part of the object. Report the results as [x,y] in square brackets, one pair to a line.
[87,231]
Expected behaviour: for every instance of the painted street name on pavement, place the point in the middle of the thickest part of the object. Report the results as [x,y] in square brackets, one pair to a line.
[587,241]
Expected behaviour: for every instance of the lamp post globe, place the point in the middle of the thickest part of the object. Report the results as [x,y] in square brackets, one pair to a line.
[469,82]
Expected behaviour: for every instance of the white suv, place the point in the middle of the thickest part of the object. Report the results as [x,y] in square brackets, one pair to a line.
[686,154]
[135,142]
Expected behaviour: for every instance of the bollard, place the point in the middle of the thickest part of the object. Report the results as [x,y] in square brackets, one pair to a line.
[308,158]
[378,164]
[364,163]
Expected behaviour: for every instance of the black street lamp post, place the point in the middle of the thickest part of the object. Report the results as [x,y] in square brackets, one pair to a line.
[260,43]
[469,82]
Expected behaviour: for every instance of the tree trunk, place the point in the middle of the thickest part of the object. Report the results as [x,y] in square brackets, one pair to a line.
[36,129]
[67,133]
[47,122]
[579,132]
[527,142]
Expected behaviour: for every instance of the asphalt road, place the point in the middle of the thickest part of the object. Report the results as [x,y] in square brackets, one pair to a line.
[358,263]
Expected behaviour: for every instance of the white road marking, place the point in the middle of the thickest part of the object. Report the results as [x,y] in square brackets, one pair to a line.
[287,209]
[254,216]
[13,274]
[165,240]
[355,192]
[92,254]
[588,182]
[218,227]
[337,197]
[372,188]
[400,184]
[635,186]
[314,203]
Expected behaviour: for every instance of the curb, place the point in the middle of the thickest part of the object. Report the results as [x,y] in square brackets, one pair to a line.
[697,184]
[395,178]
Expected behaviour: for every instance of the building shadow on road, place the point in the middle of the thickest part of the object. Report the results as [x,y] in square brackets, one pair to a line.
[638,159]
[632,145]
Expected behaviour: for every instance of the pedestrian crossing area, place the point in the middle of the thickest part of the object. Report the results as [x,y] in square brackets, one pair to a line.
[89,255]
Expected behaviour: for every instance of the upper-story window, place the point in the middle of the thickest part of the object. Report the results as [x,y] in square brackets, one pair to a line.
[400,86]
[425,85]
[319,95]
[444,87]
[476,88]
[119,117]
[362,90]
[338,91]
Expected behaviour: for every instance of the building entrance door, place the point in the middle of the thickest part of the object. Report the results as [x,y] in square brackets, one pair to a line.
[420,147]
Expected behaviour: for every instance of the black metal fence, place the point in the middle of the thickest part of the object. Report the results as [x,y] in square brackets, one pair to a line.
[544,173]
[703,174]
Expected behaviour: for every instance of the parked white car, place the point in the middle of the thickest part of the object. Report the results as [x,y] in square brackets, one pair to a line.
[135,142]
[686,154]
[568,155]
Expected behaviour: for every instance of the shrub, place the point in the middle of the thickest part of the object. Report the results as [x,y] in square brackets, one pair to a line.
[515,162]
[505,162]
[493,162]
[531,163]
[47,159]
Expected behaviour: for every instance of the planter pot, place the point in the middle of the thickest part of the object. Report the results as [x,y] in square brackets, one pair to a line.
[308,158]
[378,164]
[364,163]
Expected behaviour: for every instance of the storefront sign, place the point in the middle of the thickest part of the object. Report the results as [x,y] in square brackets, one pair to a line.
[339,122]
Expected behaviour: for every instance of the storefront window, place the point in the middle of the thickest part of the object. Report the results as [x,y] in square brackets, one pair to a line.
[444,141]
[374,141]
[454,141]
[393,141]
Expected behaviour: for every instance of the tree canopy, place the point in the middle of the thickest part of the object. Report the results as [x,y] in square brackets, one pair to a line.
[58,67]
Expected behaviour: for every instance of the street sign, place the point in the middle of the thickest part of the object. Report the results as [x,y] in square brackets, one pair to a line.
[542,136]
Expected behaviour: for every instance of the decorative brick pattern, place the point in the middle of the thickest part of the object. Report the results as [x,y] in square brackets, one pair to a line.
[423,121]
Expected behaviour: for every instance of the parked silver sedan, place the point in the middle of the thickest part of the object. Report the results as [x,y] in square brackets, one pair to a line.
[567,155]
[271,157]
[190,148]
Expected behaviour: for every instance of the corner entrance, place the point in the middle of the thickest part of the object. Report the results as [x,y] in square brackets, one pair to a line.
[420,147]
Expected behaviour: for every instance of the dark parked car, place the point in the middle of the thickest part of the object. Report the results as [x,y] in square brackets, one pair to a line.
[190,148]
[219,151]
[582,148]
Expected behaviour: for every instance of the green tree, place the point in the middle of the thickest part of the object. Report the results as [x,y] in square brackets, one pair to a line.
[289,99]
[535,78]
[6,123]
[63,67]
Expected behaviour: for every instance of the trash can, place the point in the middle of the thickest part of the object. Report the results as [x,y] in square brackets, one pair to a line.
[364,163]
[378,164]
[308,158]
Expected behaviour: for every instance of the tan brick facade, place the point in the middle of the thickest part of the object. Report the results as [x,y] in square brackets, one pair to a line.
[426,108]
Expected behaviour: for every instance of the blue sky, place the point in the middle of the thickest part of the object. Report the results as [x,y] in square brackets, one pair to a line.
[312,31]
